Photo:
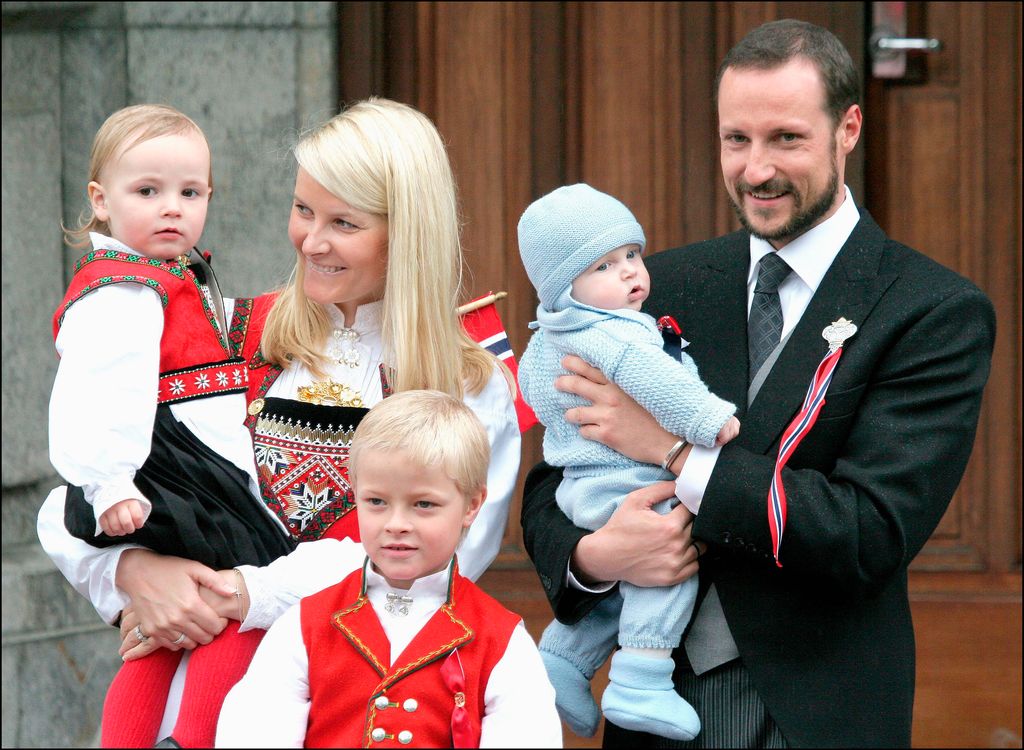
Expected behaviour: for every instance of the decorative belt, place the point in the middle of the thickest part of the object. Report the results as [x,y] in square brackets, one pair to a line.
[203,381]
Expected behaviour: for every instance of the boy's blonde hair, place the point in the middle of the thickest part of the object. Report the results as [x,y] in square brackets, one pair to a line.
[433,429]
[387,159]
[122,130]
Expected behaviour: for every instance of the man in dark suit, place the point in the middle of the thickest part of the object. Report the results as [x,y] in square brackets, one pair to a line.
[818,650]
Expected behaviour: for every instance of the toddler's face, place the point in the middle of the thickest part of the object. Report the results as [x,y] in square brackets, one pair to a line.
[154,195]
[411,517]
[618,280]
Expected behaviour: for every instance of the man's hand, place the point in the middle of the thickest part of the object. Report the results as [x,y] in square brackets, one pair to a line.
[638,544]
[613,418]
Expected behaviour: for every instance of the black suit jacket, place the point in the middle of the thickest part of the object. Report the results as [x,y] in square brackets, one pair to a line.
[827,638]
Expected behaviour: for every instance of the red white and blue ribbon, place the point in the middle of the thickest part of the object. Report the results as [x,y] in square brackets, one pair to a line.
[797,430]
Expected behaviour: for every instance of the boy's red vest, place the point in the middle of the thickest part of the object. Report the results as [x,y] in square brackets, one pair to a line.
[194,363]
[433,695]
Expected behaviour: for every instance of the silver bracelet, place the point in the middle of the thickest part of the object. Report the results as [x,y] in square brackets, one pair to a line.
[673,454]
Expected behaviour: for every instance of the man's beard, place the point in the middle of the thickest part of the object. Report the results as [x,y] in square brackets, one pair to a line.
[803,218]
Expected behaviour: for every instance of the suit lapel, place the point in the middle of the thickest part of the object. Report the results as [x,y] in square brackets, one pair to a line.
[712,308]
[851,288]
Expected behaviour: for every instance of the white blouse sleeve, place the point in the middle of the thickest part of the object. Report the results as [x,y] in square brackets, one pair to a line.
[519,702]
[279,671]
[104,397]
[308,568]
[496,409]
[91,570]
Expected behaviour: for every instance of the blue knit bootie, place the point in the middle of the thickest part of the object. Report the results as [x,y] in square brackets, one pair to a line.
[640,696]
[573,697]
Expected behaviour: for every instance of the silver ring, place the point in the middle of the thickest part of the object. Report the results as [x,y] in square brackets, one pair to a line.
[179,640]
[140,635]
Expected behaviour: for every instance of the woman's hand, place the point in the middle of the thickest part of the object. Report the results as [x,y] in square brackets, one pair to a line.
[613,418]
[166,603]
[639,545]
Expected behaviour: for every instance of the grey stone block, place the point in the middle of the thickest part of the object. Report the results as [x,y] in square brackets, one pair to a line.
[31,68]
[56,653]
[20,507]
[151,15]
[95,86]
[31,288]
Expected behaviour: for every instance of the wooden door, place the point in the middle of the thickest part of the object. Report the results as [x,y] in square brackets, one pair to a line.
[529,96]
[943,174]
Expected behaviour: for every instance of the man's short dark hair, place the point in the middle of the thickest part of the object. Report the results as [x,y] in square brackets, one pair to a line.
[774,44]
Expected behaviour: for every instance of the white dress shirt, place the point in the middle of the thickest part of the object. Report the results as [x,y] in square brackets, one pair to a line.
[810,256]
[519,702]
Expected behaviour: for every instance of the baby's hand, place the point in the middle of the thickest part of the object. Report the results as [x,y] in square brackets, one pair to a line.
[122,518]
[728,432]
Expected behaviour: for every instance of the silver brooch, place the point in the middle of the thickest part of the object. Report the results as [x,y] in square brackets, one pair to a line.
[398,605]
[343,347]
[837,332]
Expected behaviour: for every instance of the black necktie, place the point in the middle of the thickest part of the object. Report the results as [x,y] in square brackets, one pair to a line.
[764,326]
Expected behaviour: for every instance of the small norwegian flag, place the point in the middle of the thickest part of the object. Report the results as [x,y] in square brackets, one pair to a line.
[484,326]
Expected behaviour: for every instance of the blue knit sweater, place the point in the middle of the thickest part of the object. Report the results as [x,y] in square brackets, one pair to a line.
[627,347]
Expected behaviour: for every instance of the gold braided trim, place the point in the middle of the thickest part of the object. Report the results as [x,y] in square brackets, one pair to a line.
[275,427]
[363,648]
[433,655]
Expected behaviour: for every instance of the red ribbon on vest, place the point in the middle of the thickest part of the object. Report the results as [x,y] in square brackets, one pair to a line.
[795,432]
[463,732]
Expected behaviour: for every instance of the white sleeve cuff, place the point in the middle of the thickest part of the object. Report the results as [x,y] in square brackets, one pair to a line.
[694,477]
[598,588]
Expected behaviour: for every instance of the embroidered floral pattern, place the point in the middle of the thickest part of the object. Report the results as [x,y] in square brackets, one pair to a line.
[303,472]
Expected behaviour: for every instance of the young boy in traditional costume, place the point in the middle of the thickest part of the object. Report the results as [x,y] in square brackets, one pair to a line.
[405,650]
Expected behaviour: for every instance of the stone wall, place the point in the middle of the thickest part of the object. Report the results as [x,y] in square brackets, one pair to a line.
[252,74]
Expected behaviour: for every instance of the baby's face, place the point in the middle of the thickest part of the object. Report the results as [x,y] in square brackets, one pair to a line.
[618,280]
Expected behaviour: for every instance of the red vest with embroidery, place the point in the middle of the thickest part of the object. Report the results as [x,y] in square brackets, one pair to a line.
[437,684]
[193,361]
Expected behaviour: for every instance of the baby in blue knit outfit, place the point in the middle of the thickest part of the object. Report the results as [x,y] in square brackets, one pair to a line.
[582,250]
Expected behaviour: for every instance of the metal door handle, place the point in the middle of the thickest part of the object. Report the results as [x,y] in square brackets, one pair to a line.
[901,43]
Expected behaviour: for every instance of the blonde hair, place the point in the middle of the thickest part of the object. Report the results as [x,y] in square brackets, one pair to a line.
[433,429]
[387,159]
[125,128]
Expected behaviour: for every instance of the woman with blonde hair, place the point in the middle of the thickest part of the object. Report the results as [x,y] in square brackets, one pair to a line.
[370,309]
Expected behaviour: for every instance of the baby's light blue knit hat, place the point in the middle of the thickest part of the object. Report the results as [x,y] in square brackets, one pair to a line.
[564,232]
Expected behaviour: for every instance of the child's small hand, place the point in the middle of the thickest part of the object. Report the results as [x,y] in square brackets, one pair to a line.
[728,432]
[122,518]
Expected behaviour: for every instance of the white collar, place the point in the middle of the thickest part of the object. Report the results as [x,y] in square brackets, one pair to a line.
[103,242]
[428,589]
[367,320]
[811,254]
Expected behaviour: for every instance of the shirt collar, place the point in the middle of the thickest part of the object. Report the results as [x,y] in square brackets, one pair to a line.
[367,320]
[103,242]
[433,587]
[811,254]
